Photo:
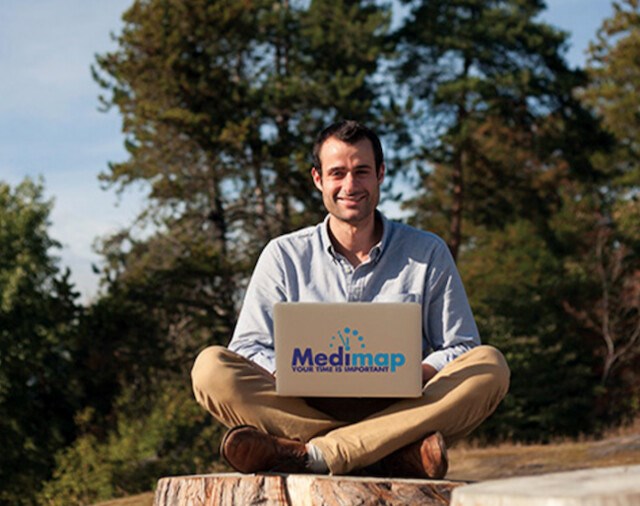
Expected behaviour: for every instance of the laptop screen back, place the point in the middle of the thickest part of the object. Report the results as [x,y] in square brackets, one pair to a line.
[348,349]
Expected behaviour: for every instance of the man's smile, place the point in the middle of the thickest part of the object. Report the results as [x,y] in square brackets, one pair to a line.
[351,198]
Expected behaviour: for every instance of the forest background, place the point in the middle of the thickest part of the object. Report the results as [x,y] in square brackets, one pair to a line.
[527,168]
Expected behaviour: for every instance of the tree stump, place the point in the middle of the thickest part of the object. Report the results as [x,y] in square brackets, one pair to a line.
[609,486]
[271,489]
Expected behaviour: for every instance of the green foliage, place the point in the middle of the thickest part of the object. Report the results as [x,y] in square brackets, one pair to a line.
[602,296]
[170,436]
[527,170]
[510,273]
[492,81]
[38,394]
[121,347]
[608,261]
[515,284]
[220,107]
[614,89]
[220,102]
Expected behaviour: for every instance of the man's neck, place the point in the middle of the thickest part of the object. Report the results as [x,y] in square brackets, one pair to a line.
[354,241]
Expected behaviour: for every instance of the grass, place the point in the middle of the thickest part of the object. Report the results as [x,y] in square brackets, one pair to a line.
[617,448]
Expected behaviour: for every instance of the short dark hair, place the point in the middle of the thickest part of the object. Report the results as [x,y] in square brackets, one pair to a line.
[350,132]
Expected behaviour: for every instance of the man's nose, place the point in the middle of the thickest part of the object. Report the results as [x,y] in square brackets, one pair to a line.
[349,182]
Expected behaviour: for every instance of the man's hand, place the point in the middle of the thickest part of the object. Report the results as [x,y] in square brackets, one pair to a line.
[428,372]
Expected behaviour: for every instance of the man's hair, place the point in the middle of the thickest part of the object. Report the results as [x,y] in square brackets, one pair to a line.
[349,132]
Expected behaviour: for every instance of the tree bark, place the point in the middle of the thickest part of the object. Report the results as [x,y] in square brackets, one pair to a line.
[455,231]
[299,490]
[457,175]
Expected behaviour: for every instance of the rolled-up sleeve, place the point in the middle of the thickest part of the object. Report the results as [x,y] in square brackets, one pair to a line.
[448,321]
[253,335]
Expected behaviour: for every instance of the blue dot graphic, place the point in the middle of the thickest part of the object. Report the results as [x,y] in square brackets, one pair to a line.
[347,330]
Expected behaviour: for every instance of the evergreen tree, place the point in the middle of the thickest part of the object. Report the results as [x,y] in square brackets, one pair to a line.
[516,285]
[614,89]
[488,77]
[507,143]
[220,102]
[38,391]
[608,247]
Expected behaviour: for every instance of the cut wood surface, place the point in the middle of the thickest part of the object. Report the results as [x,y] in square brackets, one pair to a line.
[298,490]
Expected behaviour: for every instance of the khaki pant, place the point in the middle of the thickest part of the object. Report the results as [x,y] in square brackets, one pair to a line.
[353,433]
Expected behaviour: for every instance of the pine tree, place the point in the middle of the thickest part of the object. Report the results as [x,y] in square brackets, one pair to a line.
[506,142]
[608,248]
[220,102]
[38,388]
[495,97]
[614,89]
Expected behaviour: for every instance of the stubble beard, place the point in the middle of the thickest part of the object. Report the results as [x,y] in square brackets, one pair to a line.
[368,203]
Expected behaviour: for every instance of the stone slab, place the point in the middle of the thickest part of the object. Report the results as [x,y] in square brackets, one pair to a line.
[273,489]
[612,486]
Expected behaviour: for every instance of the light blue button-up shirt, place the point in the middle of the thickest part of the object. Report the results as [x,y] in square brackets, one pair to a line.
[407,265]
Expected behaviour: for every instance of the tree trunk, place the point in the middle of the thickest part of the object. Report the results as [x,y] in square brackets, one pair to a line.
[457,176]
[455,231]
[298,490]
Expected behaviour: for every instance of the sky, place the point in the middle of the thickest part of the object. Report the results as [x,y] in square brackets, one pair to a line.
[51,126]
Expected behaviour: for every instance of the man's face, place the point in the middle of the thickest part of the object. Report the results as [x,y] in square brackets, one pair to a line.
[349,184]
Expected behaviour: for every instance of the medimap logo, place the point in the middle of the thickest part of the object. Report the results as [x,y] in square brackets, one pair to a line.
[343,358]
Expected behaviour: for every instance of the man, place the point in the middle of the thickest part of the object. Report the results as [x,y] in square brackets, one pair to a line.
[356,254]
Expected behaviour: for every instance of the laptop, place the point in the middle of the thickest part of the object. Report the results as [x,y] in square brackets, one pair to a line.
[352,349]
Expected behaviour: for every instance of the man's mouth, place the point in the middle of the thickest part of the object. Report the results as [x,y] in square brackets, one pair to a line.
[350,199]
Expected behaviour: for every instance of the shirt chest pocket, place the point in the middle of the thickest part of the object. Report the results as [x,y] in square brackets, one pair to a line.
[398,297]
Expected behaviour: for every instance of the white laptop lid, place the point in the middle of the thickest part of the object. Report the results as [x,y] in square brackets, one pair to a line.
[354,349]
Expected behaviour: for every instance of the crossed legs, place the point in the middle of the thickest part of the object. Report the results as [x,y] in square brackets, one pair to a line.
[454,402]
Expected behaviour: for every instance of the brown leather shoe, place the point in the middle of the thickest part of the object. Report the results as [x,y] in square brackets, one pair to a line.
[248,450]
[426,459]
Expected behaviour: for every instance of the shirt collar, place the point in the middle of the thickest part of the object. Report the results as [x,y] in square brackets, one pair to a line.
[379,248]
[326,240]
[376,250]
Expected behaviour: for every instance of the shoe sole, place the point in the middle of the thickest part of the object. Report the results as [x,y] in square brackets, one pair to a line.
[442,446]
[224,442]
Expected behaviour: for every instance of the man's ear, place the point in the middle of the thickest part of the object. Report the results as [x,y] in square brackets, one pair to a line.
[317,178]
[381,172]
